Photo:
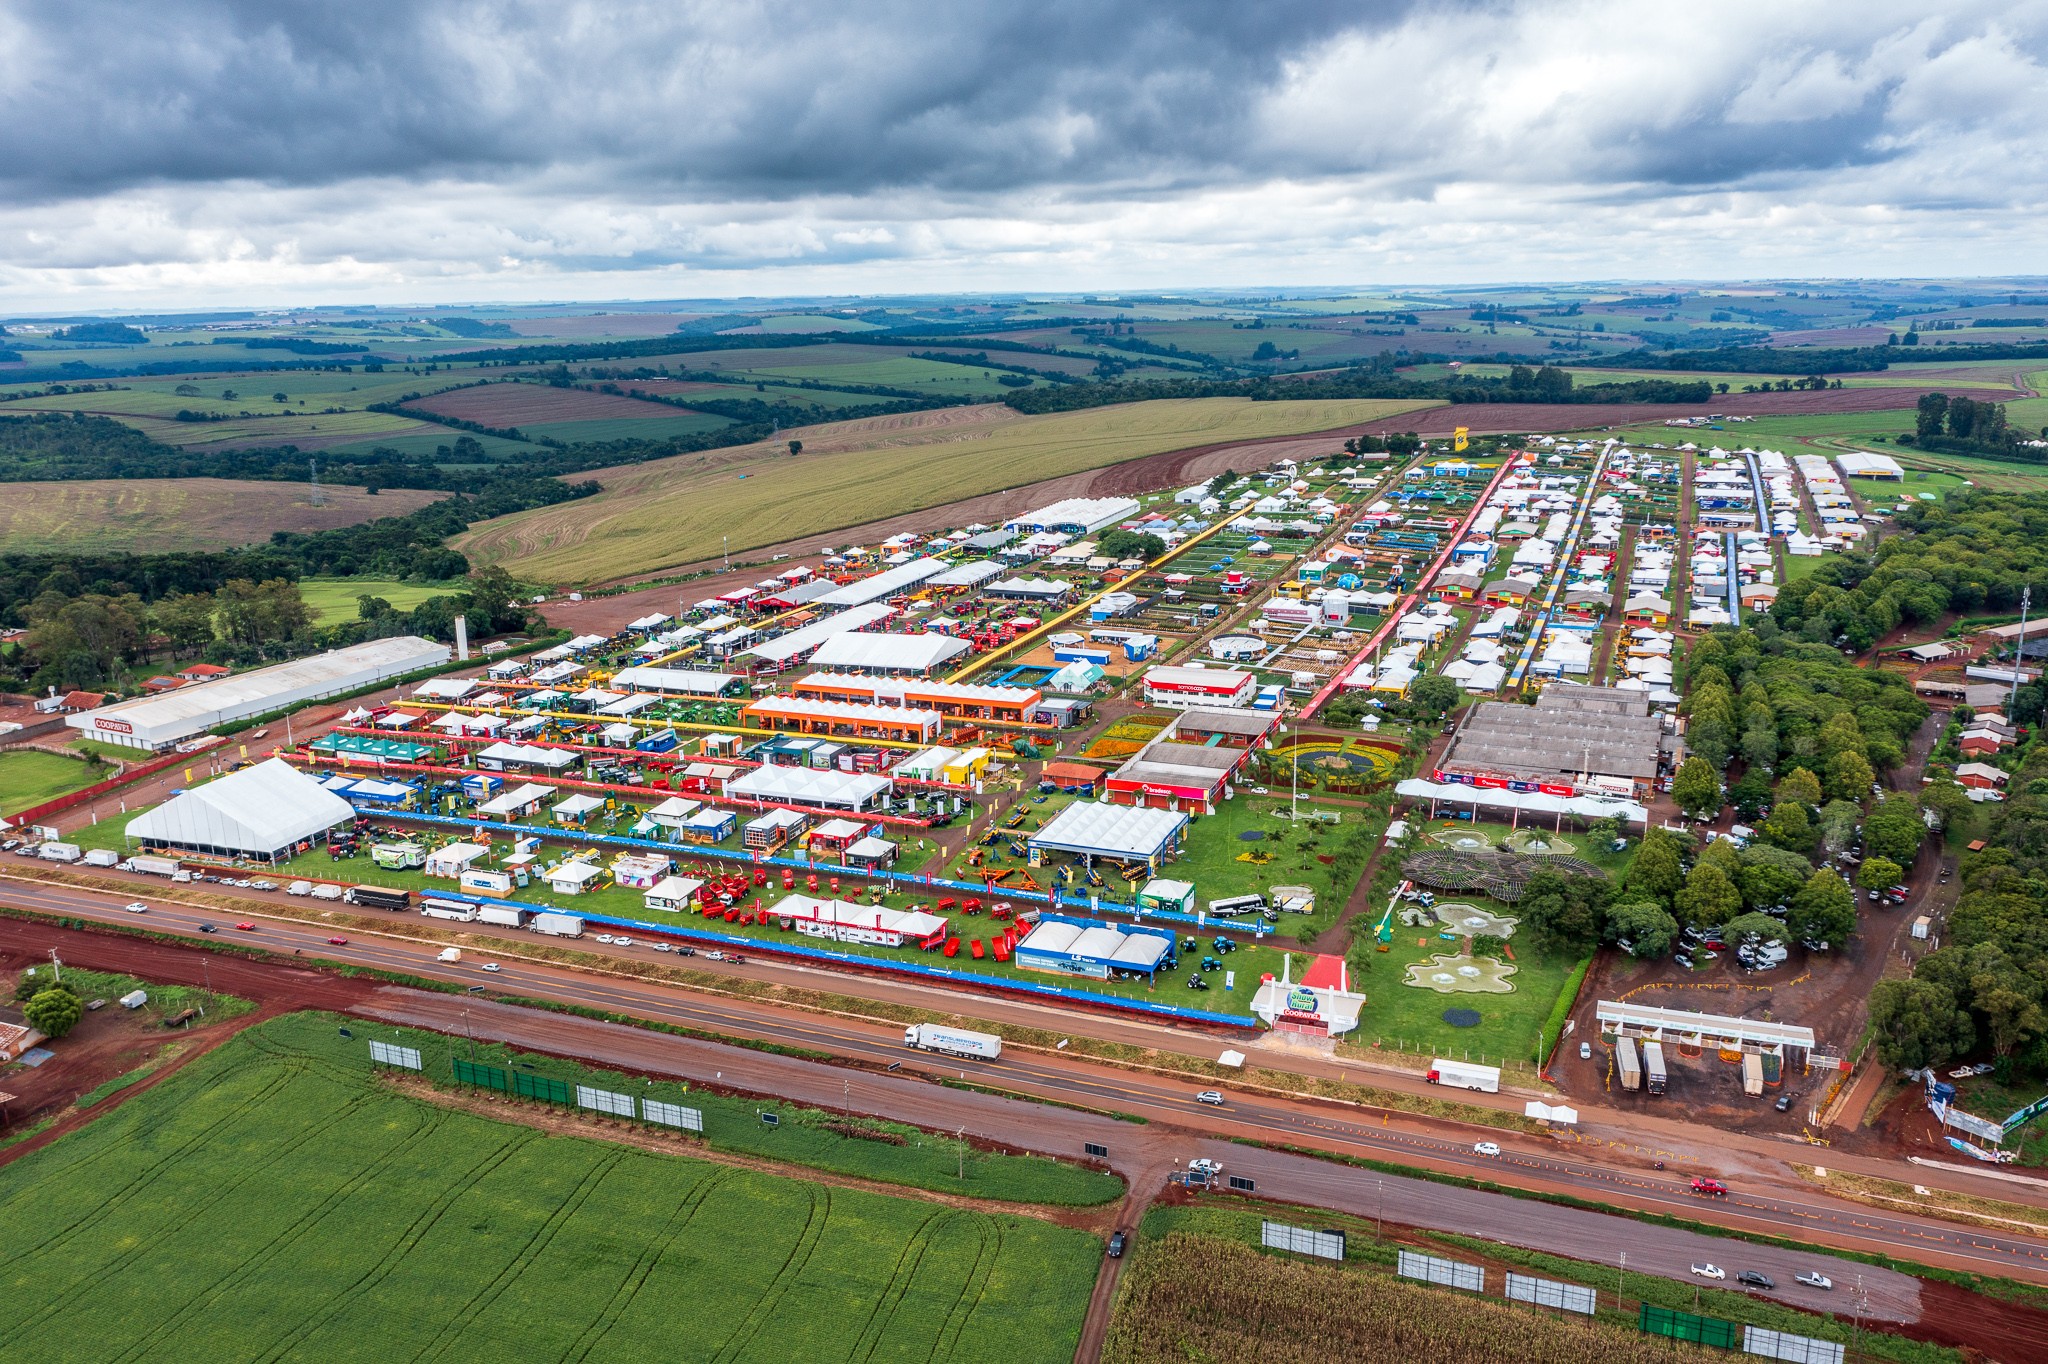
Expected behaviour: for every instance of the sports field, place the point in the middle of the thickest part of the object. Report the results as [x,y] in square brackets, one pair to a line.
[275,1201]
[159,515]
[672,511]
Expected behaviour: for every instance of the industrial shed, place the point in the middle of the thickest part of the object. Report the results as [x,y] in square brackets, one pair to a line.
[840,717]
[1574,740]
[1121,833]
[887,583]
[263,813]
[157,722]
[971,574]
[888,653]
[674,681]
[794,647]
[1076,515]
[1084,947]
[809,786]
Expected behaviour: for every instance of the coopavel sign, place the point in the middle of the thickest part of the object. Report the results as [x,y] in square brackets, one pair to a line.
[113,726]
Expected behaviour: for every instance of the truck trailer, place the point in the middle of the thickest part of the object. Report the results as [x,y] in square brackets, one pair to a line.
[1752,1073]
[1465,1075]
[59,852]
[504,916]
[153,865]
[558,925]
[979,1046]
[1653,1066]
[1625,1064]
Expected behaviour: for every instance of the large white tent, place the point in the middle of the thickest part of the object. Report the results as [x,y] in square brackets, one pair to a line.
[262,812]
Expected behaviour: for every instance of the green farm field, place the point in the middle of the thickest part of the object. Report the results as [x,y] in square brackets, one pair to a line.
[333,600]
[29,777]
[276,1200]
[672,511]
[166,514]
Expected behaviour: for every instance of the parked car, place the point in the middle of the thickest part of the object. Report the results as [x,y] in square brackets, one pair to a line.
[1756,1280]
[1486,1148]
[1813,1278]
[1585,1051]
[1784,1103]
[1710,1271]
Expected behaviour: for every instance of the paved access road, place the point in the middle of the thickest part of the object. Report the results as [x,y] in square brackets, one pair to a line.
[1141,1152]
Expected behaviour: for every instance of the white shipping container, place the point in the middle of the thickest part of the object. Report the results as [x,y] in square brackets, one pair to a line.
[134,999]
[154,866]
[101,857]
[1921,926]
[502,915]
[558,925]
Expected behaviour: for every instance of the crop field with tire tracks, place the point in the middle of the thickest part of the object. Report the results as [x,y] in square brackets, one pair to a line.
[274,1201]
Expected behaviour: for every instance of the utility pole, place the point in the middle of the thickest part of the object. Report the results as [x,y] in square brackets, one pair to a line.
[2020,653]
[56,967]
[961,1137]
[1621,1279]
[1379,1216]
[470,1034]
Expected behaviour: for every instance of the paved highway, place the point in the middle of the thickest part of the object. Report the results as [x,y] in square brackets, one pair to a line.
[1535,1163]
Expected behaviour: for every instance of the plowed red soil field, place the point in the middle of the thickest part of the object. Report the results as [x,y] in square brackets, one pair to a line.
[517,404]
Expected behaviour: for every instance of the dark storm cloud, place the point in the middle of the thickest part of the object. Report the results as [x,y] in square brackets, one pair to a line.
[749,100]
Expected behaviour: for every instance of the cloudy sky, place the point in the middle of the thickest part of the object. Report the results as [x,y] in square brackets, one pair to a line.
[176,153]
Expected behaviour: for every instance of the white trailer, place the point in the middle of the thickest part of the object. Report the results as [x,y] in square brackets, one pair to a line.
[504,916]
[1464,1075]
[59,852]
[101,857]
[154,866]
[978,1046]
[1653,1066]
[1625,1064]
[1752,1073]
[1921,926]
[558,925]
[458,911]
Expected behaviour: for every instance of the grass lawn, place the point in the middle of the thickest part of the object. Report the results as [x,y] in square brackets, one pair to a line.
[29,777]
[1798,566]
[671,511]
[165,1001]
[333,600]
[275,1200]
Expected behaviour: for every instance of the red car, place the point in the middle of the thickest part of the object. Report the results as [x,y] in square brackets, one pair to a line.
[338,942]
[246,927]
[1710,1186]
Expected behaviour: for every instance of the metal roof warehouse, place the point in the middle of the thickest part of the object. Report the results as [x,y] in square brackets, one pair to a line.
[888,653]
[1573,737]
[1123,833]
[155,722]
[884,584]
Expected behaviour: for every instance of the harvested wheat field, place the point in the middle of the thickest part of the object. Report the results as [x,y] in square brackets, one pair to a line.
[1199,1297]
[158,515]
[672,511]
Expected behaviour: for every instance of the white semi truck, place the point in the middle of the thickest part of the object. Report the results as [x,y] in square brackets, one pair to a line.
[1465,1075]
[978,1046]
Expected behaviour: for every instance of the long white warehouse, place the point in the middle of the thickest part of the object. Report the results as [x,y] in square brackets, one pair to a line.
[155,722]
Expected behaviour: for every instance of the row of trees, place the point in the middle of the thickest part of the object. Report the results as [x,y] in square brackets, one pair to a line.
[94,640]
[1973,552]
[1988,983]
[1761,892]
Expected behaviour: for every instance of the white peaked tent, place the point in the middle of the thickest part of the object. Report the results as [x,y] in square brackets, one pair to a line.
[260,812]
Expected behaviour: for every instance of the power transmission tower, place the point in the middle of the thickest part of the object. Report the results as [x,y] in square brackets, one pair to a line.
[319,493]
